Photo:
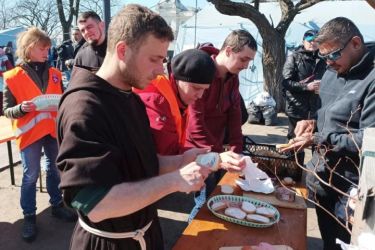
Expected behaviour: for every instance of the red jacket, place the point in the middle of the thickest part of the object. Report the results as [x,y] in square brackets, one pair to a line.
[218,109]
[162,122]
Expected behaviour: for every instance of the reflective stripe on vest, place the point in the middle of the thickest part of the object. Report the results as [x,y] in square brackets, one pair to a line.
[41,116]
[164,87]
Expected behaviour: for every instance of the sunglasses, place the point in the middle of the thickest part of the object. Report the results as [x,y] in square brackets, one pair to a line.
[334,55]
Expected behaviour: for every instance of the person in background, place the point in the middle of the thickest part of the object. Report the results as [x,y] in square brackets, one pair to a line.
[64,53]
[347,92]
[78,41]
[302,72]
[92,53]
[9,52]
[168,97]
[219,109]
[5,65]
[52,56]
[34,130]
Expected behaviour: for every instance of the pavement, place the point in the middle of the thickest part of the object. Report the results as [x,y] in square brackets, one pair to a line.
[173,210]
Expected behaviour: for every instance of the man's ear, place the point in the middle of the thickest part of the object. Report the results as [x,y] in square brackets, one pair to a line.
[228,51]
[121,50]
[357,42]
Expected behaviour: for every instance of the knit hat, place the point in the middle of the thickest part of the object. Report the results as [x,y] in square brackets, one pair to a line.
[193,65]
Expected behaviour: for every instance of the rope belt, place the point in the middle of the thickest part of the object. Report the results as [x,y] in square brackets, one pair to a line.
[136,235]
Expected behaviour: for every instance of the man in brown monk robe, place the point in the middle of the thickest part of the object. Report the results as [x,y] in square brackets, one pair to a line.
[111,173]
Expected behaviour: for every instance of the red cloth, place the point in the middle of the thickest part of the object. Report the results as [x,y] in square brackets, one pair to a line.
[218,109]
[162,123]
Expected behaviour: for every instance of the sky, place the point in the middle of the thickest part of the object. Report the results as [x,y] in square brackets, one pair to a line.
[151,3]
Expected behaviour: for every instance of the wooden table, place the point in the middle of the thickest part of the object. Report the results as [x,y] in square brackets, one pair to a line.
[207,231]
[7,135]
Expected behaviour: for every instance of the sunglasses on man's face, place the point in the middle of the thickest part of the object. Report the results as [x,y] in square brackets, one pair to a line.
[334,55]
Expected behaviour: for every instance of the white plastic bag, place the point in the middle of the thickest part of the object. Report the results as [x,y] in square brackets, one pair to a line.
[264,99]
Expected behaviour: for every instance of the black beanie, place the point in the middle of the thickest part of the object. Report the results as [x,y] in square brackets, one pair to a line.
[193,65]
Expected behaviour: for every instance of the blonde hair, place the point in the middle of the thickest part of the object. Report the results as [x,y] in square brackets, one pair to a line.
[29,39]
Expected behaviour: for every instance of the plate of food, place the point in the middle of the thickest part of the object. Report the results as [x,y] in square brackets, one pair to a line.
[244,211]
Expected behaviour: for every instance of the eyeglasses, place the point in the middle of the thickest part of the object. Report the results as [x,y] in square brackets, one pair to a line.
[309,38]
[334,55]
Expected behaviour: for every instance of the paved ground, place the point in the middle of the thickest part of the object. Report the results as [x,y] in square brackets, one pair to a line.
[174,210]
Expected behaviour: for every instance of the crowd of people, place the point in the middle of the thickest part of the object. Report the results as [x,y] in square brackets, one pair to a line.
[126,129]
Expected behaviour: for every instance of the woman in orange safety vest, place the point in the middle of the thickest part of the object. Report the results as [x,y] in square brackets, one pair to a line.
[34,127]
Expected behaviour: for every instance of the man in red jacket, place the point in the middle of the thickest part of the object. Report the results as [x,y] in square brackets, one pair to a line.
[167,98]
[219,109]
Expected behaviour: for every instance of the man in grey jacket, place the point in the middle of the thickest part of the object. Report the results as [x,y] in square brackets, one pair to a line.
[347,92]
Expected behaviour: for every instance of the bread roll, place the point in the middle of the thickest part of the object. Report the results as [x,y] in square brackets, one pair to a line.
[211,160]
[257,218]
[227,189]
[235,213]
[216,206]
[265,211]
[248,207]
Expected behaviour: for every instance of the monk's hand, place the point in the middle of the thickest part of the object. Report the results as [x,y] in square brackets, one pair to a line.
[28,106]
[304,126]
[191,154]
[192,177]
[232,161]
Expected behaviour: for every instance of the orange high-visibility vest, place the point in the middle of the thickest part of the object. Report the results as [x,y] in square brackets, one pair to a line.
[164,86]
[33,125]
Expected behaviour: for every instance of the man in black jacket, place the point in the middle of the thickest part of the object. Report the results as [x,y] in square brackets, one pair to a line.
[92,53]
[302,71]
[77,42]
[347,92]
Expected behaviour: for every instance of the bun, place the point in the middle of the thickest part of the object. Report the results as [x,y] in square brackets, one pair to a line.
[268,212]
[257,218]
[211,160]
[227,189]
[218,206]
[248,207]
[235,213]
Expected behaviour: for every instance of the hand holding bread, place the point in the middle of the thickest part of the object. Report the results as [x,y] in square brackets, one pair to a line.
[191,177]
[191,155]
[232,161]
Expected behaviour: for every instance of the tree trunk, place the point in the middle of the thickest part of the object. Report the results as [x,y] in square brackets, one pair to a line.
[66,31]
[273,62]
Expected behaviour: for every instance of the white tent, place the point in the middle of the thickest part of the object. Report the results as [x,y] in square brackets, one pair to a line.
[214,27]
[10,35]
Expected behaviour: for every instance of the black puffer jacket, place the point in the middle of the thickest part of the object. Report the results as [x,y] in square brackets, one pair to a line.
[301,68]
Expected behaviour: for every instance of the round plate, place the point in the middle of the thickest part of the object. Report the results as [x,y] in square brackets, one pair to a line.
[239,199]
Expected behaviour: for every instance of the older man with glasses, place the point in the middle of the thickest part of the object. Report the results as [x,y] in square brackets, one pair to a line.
[347,92]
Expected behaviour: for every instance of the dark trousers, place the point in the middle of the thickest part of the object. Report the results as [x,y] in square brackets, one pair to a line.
[291,126]
[329,228]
